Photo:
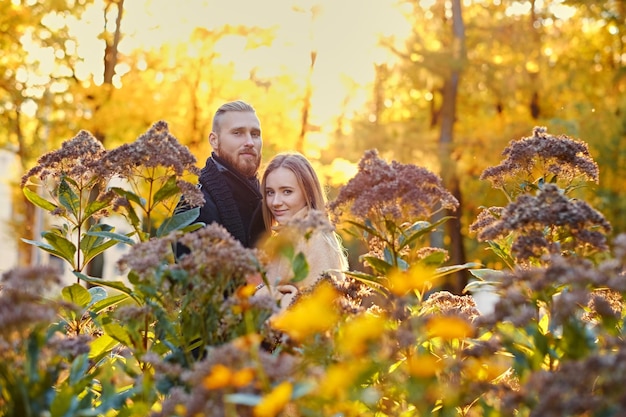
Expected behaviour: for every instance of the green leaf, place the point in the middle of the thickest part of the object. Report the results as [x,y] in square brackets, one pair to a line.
[129,195]
[97,294]
[116,285]
[80,365]
[447,270]
[38,200]
[119,333]
[486,273]
[178,221]
[300,267]
[368,229]
[101,346]
[378,265]
[418,230]
[118,237]
[96,205]
[48,248]
[168,189]
[93,242]
[76,294]
[107,302]
[193,227]
[68,198]
[57,246]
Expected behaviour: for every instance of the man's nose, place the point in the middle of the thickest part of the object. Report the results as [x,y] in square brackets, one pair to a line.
[249,142]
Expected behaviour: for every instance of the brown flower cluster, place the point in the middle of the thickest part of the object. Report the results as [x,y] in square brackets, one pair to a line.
[530,216]
[22,298]
[79,158]
[446,303]
[214,252]
[145,257]
[206,397]
[155,149]
[565,158]
[592,291]
[392,191]
[592,386]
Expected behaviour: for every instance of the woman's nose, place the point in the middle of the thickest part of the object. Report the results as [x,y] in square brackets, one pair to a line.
[276,201]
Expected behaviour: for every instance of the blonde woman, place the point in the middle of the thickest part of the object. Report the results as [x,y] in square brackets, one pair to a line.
[292,195]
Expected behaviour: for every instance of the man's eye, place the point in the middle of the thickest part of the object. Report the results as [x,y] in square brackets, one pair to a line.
[256,134]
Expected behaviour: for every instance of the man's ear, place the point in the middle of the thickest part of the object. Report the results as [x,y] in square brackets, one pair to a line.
[213,140]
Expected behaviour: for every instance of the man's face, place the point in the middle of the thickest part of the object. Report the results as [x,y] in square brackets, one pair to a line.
[239,141]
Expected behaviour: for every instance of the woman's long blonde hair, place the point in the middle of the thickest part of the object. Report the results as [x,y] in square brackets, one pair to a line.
[308,181]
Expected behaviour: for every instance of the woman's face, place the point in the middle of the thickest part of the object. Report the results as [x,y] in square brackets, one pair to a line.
[283,195]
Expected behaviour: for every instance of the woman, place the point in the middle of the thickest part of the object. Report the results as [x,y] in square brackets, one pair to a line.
[293,200]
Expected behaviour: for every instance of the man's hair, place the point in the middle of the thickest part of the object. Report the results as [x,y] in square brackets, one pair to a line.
[237,105]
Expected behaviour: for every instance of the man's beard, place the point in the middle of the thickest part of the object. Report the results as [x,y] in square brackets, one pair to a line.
[245,166]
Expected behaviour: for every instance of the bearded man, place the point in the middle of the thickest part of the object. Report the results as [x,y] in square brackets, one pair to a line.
[229,179]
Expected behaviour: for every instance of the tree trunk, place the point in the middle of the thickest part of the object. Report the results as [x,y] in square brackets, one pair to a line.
[448,164]
[96,267]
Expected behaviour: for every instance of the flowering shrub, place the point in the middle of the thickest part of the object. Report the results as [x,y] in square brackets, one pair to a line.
[190,338]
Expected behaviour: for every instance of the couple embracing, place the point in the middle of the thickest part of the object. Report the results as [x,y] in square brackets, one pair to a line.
[258,212]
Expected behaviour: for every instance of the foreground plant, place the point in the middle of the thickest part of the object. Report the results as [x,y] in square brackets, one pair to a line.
[190,337]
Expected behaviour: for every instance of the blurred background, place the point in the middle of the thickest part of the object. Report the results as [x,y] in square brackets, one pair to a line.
[440,84]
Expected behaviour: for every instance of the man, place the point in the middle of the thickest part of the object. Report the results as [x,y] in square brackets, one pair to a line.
[229,179]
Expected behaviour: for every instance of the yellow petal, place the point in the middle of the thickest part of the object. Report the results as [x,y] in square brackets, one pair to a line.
[219,377]
[274,402]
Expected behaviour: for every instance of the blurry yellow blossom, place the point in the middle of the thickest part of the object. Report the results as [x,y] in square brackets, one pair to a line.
[246,291]
[487,369]
[219,377]
[423,365]
[356,333]
[449,327]
[248,341]
[309,315]
[222,377]
[338,379]
[180,409]
[417,278]
[274,402]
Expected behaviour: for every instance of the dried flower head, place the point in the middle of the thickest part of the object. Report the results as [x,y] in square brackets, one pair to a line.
[22,298]
[215,252]
[560,156]
[540,221]
[391,191]
[78,159]
[145,257]
[155,148]
[446,303]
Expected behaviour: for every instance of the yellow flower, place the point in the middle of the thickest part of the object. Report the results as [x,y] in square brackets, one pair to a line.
[246,291]
[338,379]
[487,369]
[417,278]
[424,365]
[219,377]
[274,402]
[248,341]
[356,333]
[449,327]
[242,377]
[312,314]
